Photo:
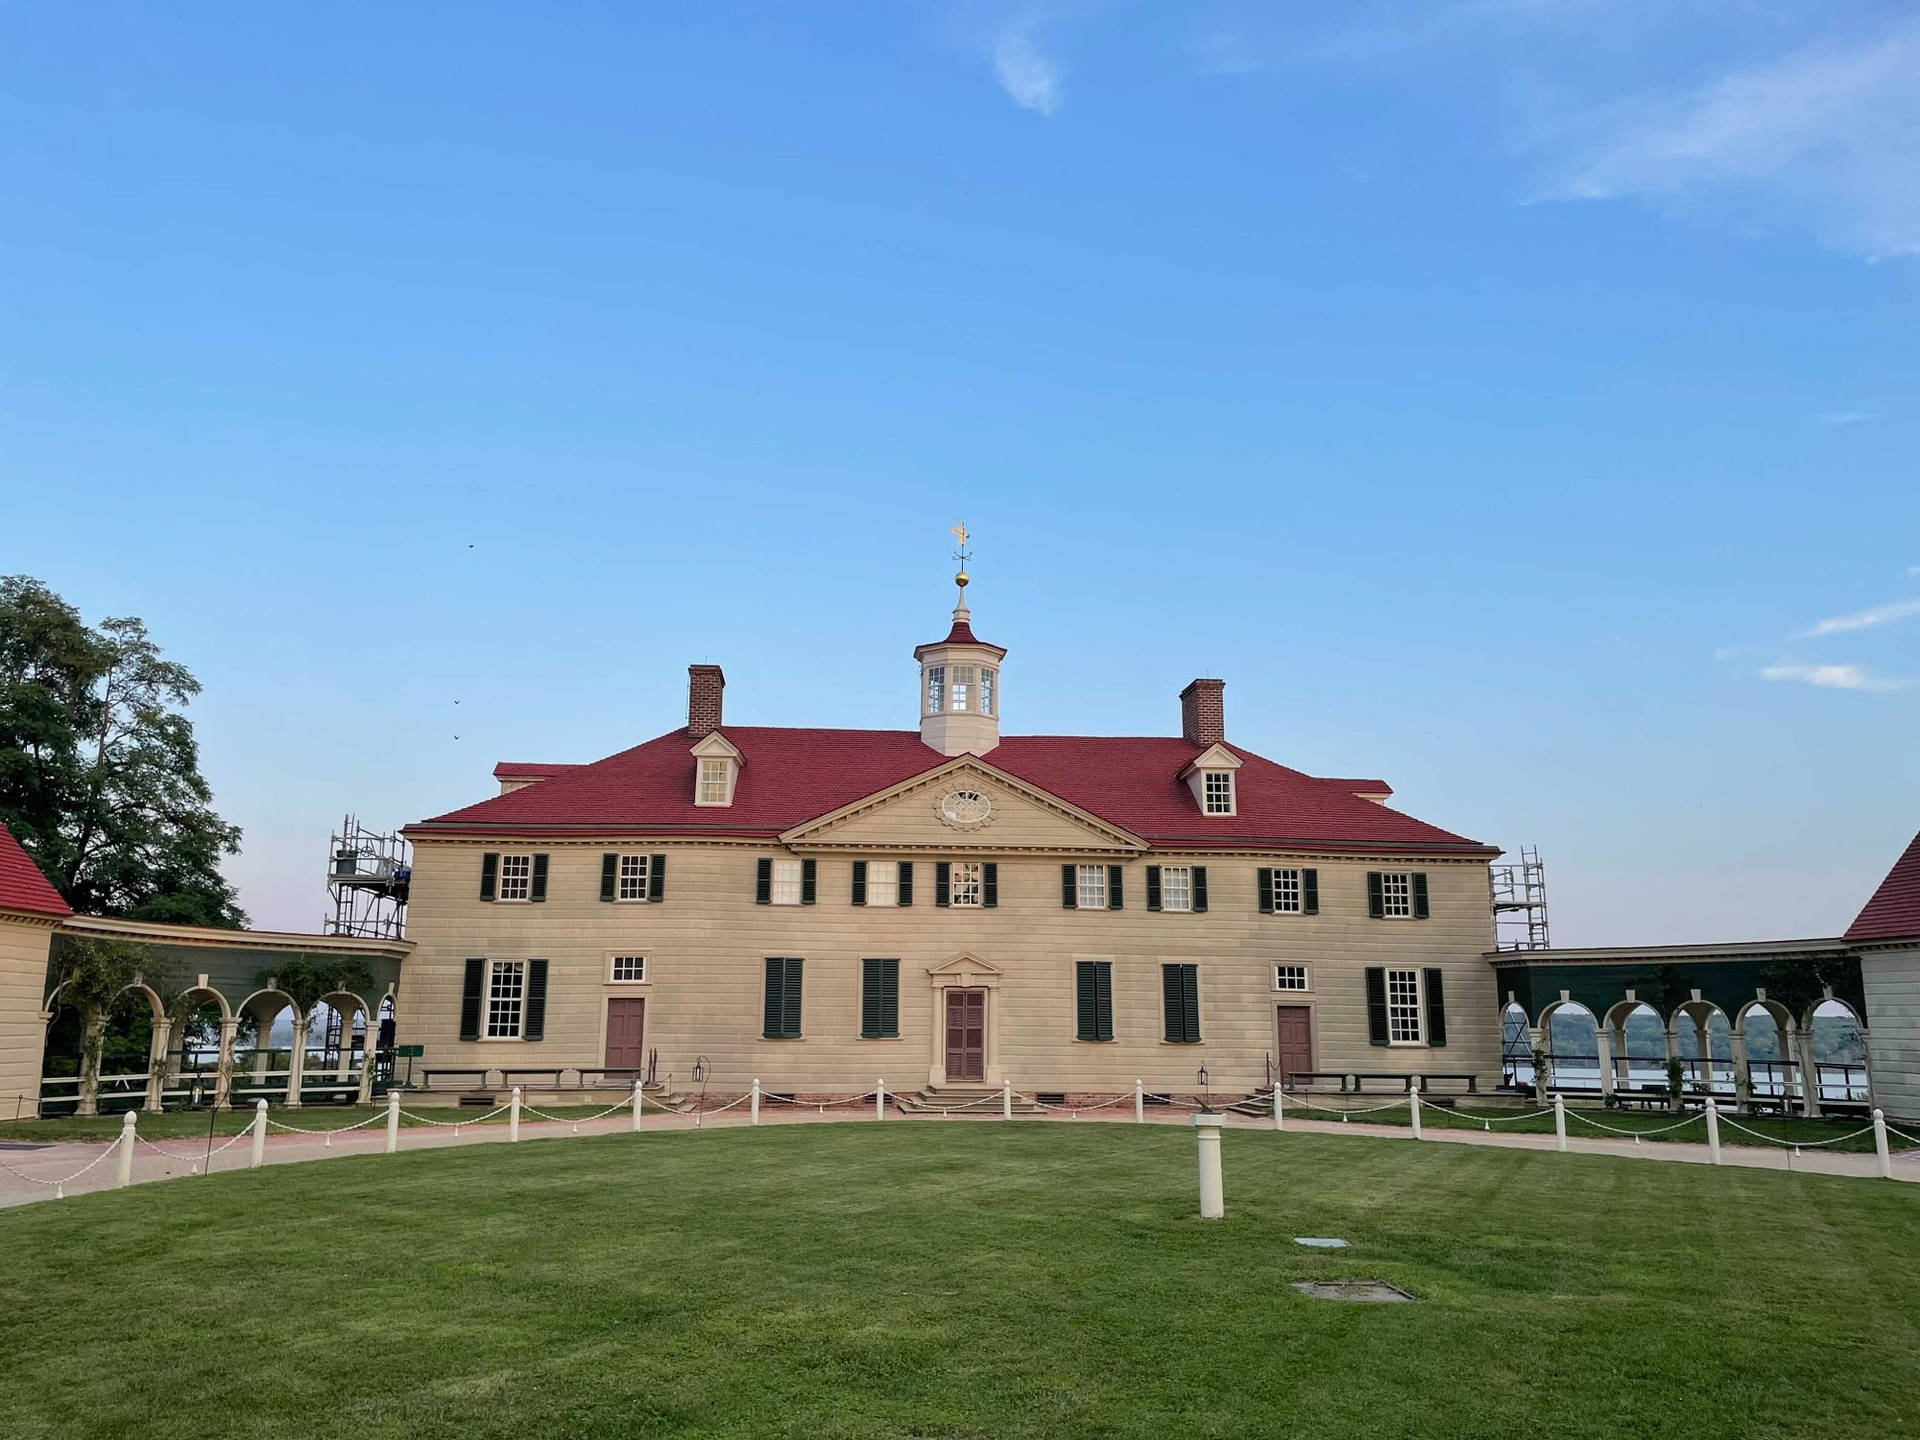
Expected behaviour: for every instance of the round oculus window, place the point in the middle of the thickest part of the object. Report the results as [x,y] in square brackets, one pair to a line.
[965,807]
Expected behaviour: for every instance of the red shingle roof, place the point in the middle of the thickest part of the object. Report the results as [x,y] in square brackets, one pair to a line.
[22,886]
[789,776]
[528,769]
[1894,911]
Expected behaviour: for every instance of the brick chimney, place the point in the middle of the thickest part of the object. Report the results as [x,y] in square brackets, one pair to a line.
[1203,716]
[705,683]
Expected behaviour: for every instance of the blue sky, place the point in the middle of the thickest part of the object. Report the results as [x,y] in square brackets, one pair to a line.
[1511,399]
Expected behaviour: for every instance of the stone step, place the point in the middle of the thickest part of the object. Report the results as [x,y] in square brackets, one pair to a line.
[970,1100]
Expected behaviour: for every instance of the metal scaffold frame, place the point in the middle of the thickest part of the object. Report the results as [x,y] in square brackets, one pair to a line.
[369,873]
[1519,898]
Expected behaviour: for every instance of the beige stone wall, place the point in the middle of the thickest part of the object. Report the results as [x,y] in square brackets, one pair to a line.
[23,977]
[706,941]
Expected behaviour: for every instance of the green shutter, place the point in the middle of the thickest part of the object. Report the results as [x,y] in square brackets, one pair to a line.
[1114,879]
[1420,910]
[657,879]
[859,882]
[1199,888]
[1070,887]
[1376,1005]
[763,881]
[809,882]
[1086,999]
[489,873]
[538,891]
[1376,906]
[906,882]
[889,998]
[775,992]
[1153,887]
[1265,882]
[470,1000]
[870,999]
[1309,892]
[990,884]
[609,875]
[533,1021]
[942,881]
[790,1002]
[1103,1000]
[1436,1008]
[1190,1003]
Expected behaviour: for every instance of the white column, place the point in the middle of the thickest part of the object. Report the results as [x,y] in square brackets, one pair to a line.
[259,1156]
[297,1062]
[1880,1145]
[880,1098]
[1703,1042]
[1559,1122]
[1673,1052]
[1540,1039]
[1809,1071]
[1006,1099]
[1742,1074]
[367,1048]
[159,1061]
[223,1065]
[1605,1047]
[639,1102]
[513,1116]
[1279,1110]
[393,1120]
[1713,1130]
[1413,1107]
[753,1108]
[1213,1201]
[123,1166]
[1140,1103]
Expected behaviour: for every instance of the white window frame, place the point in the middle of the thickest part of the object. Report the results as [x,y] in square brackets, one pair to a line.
[1396,889]
[1285,976]
[1406,1017]
[1185,872]
[499,974]
[713,782]
[635,879]
[788,882]
[517,868]
[960,683]
[1216,788]
[889,887]
[636,965]
[988,678]
[934,689]
[1289,895]
[1090,887]
[968,878]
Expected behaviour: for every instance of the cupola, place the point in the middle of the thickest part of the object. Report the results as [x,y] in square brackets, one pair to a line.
[960,681]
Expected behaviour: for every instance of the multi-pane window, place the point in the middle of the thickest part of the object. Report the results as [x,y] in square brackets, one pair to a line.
[516,877]
[962,688]
[1403,1007]
[883,882]
[713,780]
[936,689]
[506,997]
[968,883]
[1090,884]
[633,877]
[629,969]
[1219,791]
[1396,895]
[1176,887]
[1180,998]
[1290,977]
[987,677]
[786,882]
[1286,891]
[1093,999]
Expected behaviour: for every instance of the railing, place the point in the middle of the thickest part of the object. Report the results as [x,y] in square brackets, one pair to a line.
[1837,1081]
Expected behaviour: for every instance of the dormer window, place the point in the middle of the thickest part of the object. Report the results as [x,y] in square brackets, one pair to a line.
[716,765]
[1218,790]
[715,781]
[1210,775]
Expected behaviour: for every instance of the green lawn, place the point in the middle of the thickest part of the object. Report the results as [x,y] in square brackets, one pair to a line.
[963,1280]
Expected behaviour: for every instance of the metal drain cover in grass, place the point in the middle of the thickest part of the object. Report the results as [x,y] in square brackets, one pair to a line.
[1375,1292]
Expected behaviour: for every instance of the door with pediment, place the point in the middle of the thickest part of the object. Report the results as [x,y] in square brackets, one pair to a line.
[966,1035]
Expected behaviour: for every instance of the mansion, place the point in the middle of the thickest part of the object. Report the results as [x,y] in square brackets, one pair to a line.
[945,908]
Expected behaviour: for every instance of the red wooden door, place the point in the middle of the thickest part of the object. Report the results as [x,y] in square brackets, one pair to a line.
[966,1034]
[626,1034]
[1295,1052]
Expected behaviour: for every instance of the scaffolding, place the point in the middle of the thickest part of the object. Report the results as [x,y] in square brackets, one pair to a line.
[1519,893]
[368,876]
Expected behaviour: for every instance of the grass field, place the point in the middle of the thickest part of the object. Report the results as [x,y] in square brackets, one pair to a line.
[964,1280]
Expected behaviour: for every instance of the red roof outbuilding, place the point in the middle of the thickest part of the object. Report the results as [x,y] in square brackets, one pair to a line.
[1893,913]
[22,886]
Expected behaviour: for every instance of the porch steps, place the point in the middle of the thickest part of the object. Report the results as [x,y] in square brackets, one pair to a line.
[961,1100]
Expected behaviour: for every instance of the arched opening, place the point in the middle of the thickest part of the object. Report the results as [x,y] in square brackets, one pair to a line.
[383,1047]
[1516,1047]
[1773,1071]
[1637,1048]
[1839,1053]
[263,1048]
[126,1049]
[336,1049]
[1567,1033]
[191,1076]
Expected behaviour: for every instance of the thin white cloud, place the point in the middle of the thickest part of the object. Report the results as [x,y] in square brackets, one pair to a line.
[1032,80]
[1843,417]
[1863,619]
[1833,677]
[1833,127]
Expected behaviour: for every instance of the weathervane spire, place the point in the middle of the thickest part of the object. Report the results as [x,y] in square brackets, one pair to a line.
[961,553]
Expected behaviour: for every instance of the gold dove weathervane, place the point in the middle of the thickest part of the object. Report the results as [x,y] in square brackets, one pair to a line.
[959,533]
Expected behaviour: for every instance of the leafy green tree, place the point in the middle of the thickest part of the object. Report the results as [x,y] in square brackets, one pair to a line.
[99,771]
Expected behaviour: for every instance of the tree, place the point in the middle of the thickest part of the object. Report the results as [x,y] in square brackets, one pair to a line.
[99,771]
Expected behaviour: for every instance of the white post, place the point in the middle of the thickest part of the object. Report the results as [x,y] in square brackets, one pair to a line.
[259,1147]
[1139,1103]
[1880,1144]
[1006,1099]
[1559,1122]
[513,1116]
[1413,1097]
[1279,1109]
[123,1172]
[1213,1202]
[880,1098]
[753,1109]
[393,1121]
[639,1103]
[1713,1131]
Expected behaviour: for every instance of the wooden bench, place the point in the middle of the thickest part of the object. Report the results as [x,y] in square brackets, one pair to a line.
[479,1078]
[511,1078]
[607,1077]
[1355,1083]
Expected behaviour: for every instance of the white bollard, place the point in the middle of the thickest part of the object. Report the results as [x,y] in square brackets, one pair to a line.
[1413,1101]
[393,1121]
[1880,1144]
[1559,1122]
[1279,1108]
[1713,1132]
[123,1167]
[639,1103]
[259,1147]
[1213,1200]
[513,1116]
[1006,1099]
[1139,1103]
[753,1109]
[880,1098]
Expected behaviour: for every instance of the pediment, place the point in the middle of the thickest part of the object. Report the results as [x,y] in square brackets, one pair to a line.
[965,963]
[923,814]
